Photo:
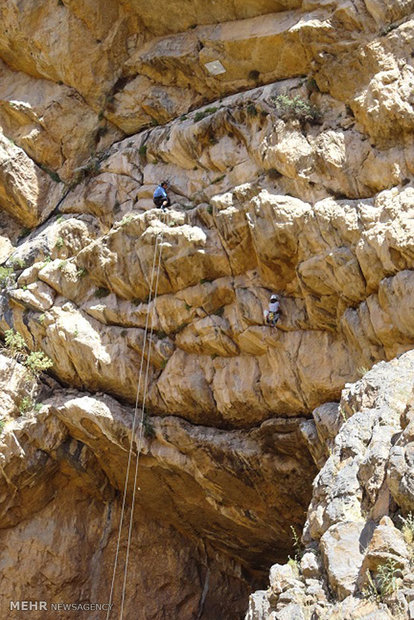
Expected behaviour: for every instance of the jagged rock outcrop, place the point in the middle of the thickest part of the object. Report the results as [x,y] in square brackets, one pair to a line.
[291,171]
[354,552]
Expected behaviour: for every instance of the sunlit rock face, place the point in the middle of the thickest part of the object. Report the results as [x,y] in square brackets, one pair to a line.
[291,172]
[358,523]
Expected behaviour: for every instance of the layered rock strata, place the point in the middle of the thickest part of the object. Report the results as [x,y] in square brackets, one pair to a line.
[291,171]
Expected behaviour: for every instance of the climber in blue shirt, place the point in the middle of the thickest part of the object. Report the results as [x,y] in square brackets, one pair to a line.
[161,199]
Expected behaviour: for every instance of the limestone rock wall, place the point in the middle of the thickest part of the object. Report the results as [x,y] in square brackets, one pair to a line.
[290,172]
[362,445]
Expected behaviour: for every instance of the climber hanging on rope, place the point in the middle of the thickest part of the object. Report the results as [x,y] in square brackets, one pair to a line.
[273,313]
[161,199]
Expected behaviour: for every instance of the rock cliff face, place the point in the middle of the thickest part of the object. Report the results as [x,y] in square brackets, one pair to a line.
[291,171]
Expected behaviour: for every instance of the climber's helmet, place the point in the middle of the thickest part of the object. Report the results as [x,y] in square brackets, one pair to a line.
[274,298]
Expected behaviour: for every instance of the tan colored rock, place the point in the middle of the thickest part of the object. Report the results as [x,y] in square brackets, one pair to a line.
[51,122]
[73,494]
[15,383]
[341,548]
[263,201]
[211,335]
[36,296]
[26,192]
[386,545]
[93,33]
[310,566]
[381,100]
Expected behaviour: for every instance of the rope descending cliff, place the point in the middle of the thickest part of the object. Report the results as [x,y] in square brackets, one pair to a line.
[142,379]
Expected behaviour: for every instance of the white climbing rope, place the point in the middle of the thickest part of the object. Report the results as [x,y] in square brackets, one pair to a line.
[150,298]
[142,416]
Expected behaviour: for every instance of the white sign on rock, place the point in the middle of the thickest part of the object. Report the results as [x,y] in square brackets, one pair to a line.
[215,67]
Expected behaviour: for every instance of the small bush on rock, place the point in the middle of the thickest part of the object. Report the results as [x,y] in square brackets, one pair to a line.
[14,342]
[7,276]
[408,528]
[37,362]
[383,583]
[290,108]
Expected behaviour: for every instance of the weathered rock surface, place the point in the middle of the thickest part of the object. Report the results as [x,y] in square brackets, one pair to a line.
[76,450]
[291,171]
[348,524]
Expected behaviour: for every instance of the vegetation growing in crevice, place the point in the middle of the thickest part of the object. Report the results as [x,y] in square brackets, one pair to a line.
[7,277]
[35,362]
[102,292]
[383,583]
[251,110]
[198,116]
[149,431]
[296,108]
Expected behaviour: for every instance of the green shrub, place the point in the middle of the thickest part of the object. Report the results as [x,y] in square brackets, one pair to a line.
[142,150]
[24,232]
[251,110]
[102,292]
[297,545]
[408,528]
[362,370]
[53,175]
[311,85]
[149,431]
[26,405]
[37,362]
[7,276]
[19,264]
[202,114]
[384,583]
[82,272]
[126,219]
[59,243]
[388,28]
[290,108]
[14,342]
